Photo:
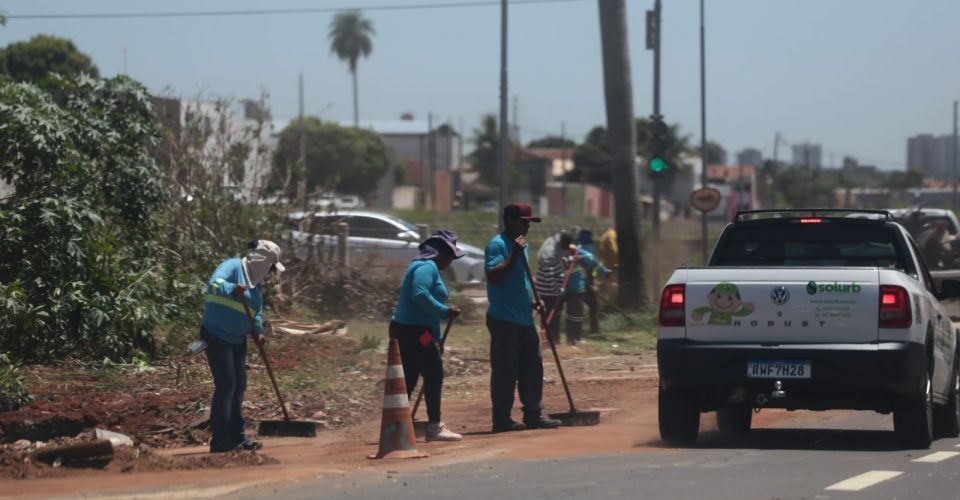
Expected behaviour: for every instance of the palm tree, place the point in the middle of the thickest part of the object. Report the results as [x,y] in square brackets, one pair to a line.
[350,38]
[622,138]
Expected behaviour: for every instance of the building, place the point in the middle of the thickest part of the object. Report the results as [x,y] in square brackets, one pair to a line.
[436,151]
[561,158]
[750,156]
[808,154]
[217,130]
[931,155]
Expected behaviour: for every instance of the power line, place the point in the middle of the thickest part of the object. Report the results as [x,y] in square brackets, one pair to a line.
[260,12]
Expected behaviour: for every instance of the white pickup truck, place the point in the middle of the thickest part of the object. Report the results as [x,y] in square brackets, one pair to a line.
[809,309]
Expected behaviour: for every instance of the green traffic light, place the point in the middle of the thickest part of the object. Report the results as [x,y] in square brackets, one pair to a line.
[657,165]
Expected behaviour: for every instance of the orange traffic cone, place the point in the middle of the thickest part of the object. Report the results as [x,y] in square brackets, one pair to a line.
[397,439]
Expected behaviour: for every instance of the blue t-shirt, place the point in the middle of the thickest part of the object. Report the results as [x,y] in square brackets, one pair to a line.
[511,298]
[422,297]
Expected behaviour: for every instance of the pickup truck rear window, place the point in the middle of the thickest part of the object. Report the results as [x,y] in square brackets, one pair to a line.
[817,245]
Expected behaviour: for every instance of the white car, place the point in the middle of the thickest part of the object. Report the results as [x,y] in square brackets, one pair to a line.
[808,310]
[378,240]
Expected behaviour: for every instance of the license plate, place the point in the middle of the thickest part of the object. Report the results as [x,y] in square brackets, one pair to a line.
[774,368]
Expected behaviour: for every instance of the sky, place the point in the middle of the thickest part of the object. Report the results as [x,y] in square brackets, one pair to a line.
[857,76]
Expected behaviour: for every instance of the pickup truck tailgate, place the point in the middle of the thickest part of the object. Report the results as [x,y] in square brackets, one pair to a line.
[790,305]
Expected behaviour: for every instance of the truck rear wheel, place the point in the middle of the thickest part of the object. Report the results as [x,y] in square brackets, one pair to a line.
[679,417]
[734,419]
[913,417]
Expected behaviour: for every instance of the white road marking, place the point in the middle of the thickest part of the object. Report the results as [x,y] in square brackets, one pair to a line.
[865,480]
[939,456]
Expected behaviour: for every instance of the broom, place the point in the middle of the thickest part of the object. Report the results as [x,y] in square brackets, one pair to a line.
[573,417]
[285,427]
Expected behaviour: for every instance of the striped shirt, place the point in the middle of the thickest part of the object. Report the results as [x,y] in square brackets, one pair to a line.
[549,268]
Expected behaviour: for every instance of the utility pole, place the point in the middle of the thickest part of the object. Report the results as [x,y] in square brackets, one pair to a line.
[125,61]
[954,199]
[516,121]
[431,162]
[563,168]
[703,129]
[504,135]
[302,157]
[776,144]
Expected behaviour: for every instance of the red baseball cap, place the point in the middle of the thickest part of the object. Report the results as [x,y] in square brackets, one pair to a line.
[520,211]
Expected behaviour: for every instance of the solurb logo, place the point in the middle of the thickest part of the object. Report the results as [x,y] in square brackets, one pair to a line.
[814,288]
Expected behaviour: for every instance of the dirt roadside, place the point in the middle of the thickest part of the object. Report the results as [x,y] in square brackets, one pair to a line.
[622,387]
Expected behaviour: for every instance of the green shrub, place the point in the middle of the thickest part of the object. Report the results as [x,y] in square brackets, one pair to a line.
[13,390]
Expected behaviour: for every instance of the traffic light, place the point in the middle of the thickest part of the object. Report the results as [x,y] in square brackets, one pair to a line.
[659,143]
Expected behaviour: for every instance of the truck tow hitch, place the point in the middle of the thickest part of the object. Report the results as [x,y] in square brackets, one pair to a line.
[776,393]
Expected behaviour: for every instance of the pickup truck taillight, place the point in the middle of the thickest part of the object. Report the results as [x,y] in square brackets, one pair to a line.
[672,312]
[894,307]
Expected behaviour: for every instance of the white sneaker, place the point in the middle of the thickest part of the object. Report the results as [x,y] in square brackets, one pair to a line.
[439,432]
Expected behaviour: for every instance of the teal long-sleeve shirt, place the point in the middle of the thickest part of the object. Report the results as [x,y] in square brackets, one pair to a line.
[582,274]
[422,297]
[223,314]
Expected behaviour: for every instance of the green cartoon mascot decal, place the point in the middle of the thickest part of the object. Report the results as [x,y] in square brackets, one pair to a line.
[725,304]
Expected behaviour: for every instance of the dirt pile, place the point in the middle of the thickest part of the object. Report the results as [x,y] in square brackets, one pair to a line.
[25,459]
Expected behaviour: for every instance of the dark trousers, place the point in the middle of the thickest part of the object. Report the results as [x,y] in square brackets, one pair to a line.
[516,363]
[553,329]
[419,359]
[228,367]
[590,299]
[574,317]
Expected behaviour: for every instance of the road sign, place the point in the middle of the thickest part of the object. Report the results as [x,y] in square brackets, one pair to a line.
[705,199]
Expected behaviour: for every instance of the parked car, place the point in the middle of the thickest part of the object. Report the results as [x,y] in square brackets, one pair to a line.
[335,201]
[378,240]
[924,216]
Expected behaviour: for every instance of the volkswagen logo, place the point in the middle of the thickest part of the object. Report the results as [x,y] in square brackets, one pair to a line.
[780,295]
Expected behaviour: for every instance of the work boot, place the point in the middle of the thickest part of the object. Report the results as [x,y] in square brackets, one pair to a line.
[542,422]
[439,432]
[249,445]
[508,426]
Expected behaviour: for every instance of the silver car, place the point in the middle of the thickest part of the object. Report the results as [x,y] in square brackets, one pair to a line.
[377,240]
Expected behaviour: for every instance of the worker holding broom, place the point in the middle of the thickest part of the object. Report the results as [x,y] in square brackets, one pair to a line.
[550,274]
[581,264]
[416,324]
[225,328]
[516,362]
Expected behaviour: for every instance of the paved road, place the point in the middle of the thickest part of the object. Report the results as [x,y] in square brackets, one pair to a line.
[847,455]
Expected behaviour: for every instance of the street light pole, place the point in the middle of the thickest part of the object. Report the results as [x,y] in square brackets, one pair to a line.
[302,152]
[703,130]
[954,199]
[504,132]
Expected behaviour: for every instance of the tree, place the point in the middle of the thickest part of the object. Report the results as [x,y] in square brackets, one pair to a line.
[552,141]
[80,269]
[593,161]
[350,38]
[349,160]
[485,158]
[35,59]
[804,187]
[904,180]
[716,155]
[622,140]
